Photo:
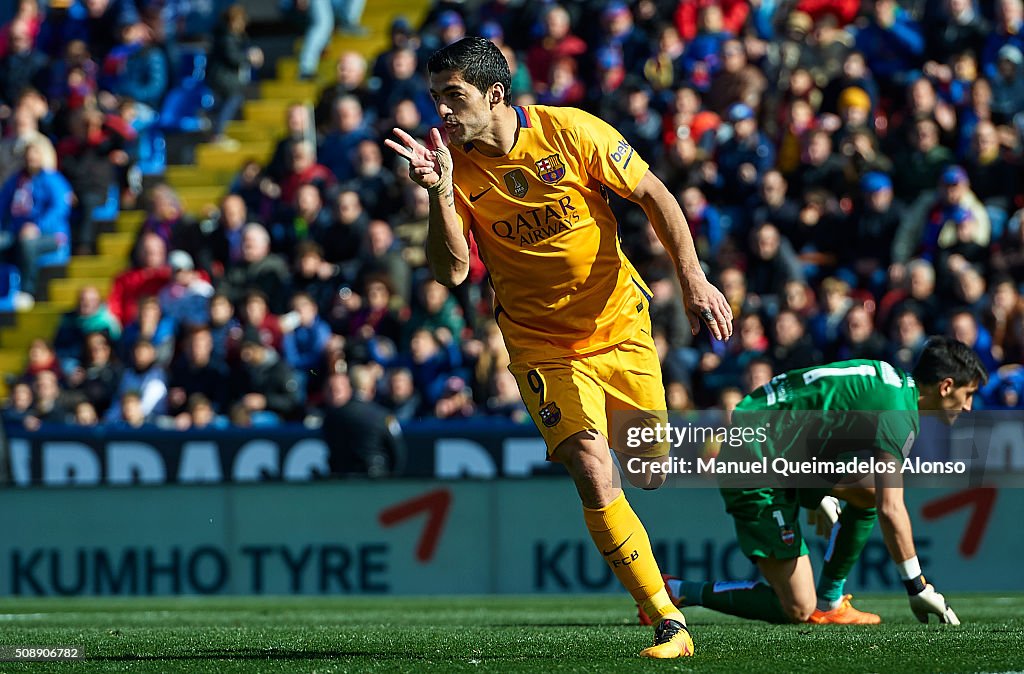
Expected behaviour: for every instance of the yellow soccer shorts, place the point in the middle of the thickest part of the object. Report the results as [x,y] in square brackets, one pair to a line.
[610,391]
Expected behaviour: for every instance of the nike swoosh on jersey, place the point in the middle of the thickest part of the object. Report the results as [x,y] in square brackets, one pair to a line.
[474,197]
[608,552]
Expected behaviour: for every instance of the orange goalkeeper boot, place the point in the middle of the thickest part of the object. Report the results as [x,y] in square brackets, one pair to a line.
[844,614]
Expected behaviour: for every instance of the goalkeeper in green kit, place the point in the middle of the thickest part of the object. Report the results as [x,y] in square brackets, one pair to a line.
[860,410]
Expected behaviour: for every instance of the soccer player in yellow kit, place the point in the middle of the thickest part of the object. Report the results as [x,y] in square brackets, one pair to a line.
[529,183]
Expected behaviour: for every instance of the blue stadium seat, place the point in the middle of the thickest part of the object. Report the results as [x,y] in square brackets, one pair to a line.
[10,284]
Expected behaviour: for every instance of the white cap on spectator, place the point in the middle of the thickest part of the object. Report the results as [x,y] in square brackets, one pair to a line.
[180,261]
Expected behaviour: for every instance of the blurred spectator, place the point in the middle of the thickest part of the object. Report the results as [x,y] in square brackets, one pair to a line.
[98,375]
[166,217]
[362,437]
[963,325]
[304,170]
[744,158]
[314,276]
[436,309]
[505,400]
[402,81]
[146,379]
[772,263]
[301,222]
[793,347]
[130,412]
[90,316]
[259,270]
[377,188]
[197,371]
[908,339]
[263,385]
[337,151]
[34,210]
[150,274]
[298,128]
[1008,84]
[402,398]
[377,317]
[199,414]
[23,127]
[859,339]
[917,169]
[385,257]
[185,300]
[957,28]
[891,42]
[137,67]
[50,405]
[342,242]
[21,66]
[225,329]
[1003,319]
[305,345]
[87,159]
[919,296]
[151,326]
[41,356]
[738,81]
[85,414]
[257,319]
[18,404]
[228,64]
[350,75]
[1007,31]
[873,225]
[318,15]
[730,16]
[991,176]
[556,42]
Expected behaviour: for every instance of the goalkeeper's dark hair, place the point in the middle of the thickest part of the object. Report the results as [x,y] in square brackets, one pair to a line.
[478,61]
[947,358]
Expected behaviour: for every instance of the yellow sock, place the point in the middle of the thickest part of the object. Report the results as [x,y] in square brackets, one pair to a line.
[622,540]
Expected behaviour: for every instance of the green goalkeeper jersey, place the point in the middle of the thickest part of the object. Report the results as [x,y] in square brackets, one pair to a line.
[833,412]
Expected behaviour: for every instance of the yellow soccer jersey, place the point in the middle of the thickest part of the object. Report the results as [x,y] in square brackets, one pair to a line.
[548,237]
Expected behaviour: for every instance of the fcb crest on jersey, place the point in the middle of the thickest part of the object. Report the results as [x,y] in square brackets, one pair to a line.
[515,181]
[550,415]
[551,169]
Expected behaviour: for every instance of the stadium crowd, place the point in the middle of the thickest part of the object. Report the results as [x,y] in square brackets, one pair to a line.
[852,177]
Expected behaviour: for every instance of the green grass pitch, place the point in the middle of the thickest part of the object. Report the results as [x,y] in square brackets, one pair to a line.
[492,634]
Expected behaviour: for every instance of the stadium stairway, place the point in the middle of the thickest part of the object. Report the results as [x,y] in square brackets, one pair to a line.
[201,185]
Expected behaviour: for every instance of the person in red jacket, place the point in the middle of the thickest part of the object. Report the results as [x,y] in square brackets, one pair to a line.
[148,277]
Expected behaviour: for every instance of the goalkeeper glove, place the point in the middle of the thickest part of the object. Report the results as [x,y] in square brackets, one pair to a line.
[825,516]
[924,600]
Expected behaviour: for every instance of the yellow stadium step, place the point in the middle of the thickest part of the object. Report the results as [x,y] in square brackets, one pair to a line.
[233,160]
[64,291]
[197,200]
[12,362]
[94,265]
[116,244]
[131,218]
[245,131]
[268,111]
[42,326]
[194,176]
[288,90]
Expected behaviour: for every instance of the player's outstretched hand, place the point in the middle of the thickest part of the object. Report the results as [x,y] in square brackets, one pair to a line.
[428,167]
[706,303]
[929,602]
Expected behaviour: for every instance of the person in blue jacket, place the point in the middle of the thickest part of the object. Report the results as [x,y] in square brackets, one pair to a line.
[35,204]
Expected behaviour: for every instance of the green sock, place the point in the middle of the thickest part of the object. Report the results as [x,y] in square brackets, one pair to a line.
[849,536]
[744,599]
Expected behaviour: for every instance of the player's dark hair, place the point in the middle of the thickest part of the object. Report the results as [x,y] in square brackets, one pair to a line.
[478,61]
[947,358]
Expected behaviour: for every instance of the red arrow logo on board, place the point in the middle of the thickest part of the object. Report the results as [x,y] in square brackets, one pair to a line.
[436,505]
[981,499]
